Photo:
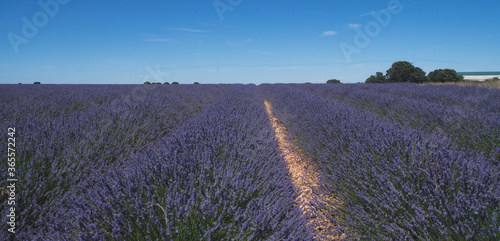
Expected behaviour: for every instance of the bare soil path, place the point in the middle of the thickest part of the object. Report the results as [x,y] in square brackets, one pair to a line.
[305,179]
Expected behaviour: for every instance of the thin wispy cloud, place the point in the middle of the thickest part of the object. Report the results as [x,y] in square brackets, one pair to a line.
[261,52]
[187,30]
[329,33]
[354,25]
[206,24]
[48,67]
[370,13]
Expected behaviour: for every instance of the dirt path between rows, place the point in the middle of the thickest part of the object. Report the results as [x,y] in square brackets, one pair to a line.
[304,178]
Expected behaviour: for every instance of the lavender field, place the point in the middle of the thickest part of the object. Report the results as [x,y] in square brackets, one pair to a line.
[202,162]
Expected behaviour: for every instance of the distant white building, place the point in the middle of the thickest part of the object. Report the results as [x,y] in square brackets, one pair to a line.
[480,76]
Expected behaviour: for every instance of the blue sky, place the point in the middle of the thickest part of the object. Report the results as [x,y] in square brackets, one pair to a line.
[241,41]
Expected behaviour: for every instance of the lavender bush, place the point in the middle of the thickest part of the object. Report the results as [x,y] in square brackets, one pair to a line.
[469,116]
[219,177]
[200,162]
[65,133]
[390,182]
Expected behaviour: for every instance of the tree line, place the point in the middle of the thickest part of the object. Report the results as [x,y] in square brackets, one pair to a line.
[404,71]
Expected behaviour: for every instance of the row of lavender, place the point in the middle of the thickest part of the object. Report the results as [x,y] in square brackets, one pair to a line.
[219,177]
[141,162]
[65,133]
[391,181]
[469,116]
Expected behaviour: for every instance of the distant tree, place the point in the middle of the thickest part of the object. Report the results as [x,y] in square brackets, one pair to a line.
[196,83]
[175,83]
[308,83]
[444,75]
[166,83]
[37,83]
[404,71]
[157,83]
[19,83]
[147,83]
[379,77]
[333,81]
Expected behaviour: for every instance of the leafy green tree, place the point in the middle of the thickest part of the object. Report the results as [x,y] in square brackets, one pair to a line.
[175,83]
[333,81]
[166,83]
[196,83]
[147,83]
[37,83]
[404,71]
[445,75]
[379,77]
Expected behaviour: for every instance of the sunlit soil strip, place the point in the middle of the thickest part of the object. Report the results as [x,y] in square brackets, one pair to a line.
[304,178]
